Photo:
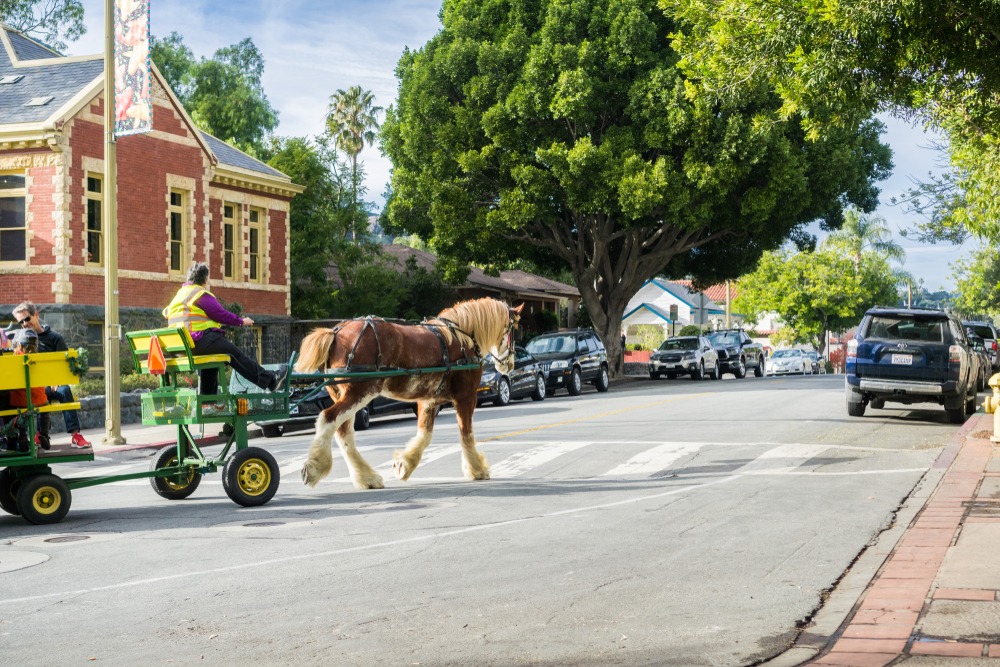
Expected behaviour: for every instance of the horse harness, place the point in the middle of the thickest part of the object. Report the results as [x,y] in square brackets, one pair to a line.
[370,323]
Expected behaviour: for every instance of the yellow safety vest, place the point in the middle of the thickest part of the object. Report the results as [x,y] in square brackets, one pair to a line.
[183,311]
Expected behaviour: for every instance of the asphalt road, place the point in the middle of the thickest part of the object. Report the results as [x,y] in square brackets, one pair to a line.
[662,523]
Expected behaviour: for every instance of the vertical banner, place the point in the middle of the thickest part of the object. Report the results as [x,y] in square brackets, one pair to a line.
[133,101]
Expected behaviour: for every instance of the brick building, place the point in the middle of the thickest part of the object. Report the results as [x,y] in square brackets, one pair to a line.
[183,196]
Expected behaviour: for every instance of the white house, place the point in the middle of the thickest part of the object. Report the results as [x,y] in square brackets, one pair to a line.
[671,305]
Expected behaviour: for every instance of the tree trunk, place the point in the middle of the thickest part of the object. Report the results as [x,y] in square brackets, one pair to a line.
[607,320]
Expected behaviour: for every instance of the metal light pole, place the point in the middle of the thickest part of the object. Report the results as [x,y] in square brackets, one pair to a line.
[112,330]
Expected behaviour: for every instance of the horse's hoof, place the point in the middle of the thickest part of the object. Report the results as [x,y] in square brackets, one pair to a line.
[374,482]
[307,477]
[400,466]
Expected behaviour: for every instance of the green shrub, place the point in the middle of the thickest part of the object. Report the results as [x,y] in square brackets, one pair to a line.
[689,330]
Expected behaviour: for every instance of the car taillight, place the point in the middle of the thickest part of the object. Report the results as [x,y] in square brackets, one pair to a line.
[852,348]
[993,344]
[955,354]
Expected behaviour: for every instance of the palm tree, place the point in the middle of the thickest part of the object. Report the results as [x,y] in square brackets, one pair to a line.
[352,122]
[865,232]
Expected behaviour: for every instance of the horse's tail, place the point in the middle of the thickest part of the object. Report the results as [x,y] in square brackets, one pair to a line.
[314,354]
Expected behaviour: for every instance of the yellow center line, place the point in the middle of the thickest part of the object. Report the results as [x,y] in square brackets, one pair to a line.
[599,415]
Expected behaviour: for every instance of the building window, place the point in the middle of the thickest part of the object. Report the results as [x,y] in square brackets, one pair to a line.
[256,230]
[95,344]
[13,235]
[95,231]
[230,243]
[178,247]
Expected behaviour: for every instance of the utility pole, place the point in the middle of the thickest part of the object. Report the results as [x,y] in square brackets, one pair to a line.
[112,329]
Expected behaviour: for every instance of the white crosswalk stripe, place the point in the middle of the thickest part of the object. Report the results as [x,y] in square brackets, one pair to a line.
[522,462]
[655,459]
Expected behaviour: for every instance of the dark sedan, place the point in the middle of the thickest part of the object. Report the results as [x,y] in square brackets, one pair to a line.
[526,379]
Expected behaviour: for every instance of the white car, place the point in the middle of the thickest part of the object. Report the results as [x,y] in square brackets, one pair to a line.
[784,362]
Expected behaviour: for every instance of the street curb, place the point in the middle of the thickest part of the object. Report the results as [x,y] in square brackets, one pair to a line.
[207,441]
[832,617]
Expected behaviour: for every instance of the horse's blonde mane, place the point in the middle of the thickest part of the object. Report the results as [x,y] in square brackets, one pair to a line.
[484,319]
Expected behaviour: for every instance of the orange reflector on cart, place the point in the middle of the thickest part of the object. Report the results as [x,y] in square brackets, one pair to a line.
[242,406]
[156,362]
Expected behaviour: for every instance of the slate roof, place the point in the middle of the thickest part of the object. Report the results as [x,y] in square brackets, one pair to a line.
[60,80]
[234,157]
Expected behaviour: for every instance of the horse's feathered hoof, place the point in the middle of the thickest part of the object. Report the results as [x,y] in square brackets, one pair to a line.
[310,475]
[401,466]
[373,481]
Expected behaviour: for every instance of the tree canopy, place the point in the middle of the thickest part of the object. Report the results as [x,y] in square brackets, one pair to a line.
[814,292]
[224,94]
[563,132]
[50,21]
[833,63]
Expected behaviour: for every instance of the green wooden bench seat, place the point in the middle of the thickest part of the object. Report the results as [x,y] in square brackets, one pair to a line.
[178,350]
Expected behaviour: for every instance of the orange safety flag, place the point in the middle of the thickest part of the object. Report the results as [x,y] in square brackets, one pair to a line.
[156,362]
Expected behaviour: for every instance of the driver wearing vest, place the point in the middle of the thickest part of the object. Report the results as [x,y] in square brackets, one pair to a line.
[200,312]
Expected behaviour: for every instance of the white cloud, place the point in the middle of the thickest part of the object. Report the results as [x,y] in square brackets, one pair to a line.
[314,47]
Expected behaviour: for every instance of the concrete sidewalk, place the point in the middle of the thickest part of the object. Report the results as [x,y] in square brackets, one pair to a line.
[139,436]
[935,597]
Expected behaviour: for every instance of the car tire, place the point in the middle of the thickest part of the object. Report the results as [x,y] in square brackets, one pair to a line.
[540,392]
[958,413]
[699,373]
[741,369]
[362,419]
[716,372]
[758,370]
[575,386]
[603,382]
[503,393]
[272,430]
[855,404]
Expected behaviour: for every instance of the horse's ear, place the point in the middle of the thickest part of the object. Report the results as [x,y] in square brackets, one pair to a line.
[517,311]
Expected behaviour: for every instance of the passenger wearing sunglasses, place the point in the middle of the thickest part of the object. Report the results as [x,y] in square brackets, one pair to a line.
[26,315]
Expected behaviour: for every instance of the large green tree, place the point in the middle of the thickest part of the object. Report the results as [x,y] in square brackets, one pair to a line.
[562,131]
[814,292]
[834,62]
[977,279]
[223,94]
[50,21]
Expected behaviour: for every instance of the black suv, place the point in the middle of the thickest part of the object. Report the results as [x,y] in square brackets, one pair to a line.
[904,355]
[571,358]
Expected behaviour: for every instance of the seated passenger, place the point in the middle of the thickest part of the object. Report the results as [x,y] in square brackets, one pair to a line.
[26,342]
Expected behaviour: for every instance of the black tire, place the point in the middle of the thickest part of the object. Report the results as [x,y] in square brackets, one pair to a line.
[362,419]
[503,392]
[575,386]
[8,491]
[758,371]
[539,393]
[981,382]
[877,403]
[741,369]
[44,499]
[603,382]
[699,373]
[855,404]
[958,413]
[970,404]
[177,486]
[250,477]
[716,372]
[272,430]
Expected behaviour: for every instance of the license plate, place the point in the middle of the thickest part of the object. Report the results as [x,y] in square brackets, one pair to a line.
[905,359]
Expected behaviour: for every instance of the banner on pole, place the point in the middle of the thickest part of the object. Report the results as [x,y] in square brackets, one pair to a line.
[133,100]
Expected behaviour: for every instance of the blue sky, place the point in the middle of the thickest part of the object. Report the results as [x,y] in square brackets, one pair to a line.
[312,48]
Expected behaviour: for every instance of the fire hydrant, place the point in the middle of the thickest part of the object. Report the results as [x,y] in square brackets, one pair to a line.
[991,405]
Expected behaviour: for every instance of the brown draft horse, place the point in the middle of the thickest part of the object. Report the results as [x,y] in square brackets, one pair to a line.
[459,334]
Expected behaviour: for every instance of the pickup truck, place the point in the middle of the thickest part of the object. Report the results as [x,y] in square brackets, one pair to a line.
[737,352]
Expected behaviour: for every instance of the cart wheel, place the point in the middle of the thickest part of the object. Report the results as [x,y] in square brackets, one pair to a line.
[250,476]
[43,499]
[177,486]
[8,491]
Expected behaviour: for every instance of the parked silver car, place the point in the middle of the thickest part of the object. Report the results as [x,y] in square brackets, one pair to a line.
[783,362]
[685,355]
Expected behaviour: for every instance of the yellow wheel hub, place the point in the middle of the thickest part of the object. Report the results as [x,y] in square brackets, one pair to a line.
[46,500]
[253,477]
[180,480]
